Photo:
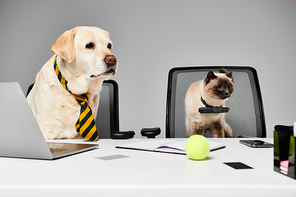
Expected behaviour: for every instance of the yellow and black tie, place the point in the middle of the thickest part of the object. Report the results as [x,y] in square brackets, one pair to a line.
[85,125]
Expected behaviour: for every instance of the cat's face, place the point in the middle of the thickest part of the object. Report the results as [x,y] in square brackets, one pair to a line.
[219,86]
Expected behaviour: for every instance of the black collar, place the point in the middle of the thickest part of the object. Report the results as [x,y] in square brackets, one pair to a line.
[212,109]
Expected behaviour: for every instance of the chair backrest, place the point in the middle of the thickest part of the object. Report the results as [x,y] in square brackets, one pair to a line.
[246,115]
[107,119]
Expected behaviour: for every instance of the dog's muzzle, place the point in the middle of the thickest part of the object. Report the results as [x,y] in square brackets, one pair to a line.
[111,63]
[110,60]
[110,71]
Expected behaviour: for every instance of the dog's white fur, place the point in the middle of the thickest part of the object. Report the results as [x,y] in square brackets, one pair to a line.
[55,109]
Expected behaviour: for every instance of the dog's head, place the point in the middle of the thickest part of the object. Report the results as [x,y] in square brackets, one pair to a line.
[87,52]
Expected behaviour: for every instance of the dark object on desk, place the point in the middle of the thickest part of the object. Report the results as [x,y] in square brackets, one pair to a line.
[284,150]
[256,143]
[248,101]
[107,120]
[122,135]
[245,136]
[150,132]
[238,165]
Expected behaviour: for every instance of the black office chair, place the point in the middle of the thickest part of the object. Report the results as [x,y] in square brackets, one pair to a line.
[107,119]
[246,114]
[108,113]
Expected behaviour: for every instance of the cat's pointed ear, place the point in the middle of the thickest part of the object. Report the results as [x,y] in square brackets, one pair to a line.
[223,70]
[228,74]
[210,76]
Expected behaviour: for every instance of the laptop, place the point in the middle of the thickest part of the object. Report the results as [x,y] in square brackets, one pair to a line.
[20,135]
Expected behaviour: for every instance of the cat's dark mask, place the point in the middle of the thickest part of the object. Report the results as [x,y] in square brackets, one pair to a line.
[221,87]
[211,75]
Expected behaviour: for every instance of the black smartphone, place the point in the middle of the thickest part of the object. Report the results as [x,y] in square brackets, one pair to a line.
[256,143]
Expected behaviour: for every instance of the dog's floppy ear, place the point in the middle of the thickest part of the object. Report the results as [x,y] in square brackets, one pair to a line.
[107,33]
[64,46]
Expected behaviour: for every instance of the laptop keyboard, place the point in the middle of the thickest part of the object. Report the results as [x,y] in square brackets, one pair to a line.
[56,148]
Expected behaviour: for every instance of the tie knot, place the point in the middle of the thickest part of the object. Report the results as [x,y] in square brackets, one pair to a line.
[81,98]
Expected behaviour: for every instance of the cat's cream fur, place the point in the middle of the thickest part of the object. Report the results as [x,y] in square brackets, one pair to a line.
[215,89]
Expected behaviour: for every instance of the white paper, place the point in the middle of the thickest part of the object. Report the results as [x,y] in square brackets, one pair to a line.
[165,145]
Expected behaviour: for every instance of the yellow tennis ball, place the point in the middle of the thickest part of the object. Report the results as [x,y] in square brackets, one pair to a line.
[197,147]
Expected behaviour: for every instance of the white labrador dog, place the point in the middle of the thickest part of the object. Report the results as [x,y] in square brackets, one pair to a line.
[85,60]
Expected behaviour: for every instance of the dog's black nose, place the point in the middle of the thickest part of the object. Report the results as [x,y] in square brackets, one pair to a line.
[110,60]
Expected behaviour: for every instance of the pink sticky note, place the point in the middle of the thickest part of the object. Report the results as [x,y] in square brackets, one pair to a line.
[285,163]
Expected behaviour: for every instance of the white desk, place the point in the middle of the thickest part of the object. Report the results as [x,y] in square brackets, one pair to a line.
[144,173]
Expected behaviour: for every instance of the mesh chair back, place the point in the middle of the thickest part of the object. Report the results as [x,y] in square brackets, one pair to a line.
[246,115]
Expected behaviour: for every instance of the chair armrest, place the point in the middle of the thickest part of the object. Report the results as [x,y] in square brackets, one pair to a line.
[122,135]
[150,132]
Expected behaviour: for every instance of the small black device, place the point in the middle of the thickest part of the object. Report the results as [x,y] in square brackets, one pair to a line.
[118,135]
[256,143]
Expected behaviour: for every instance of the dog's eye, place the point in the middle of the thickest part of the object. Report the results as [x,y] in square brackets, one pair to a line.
[109,46]
[90,45]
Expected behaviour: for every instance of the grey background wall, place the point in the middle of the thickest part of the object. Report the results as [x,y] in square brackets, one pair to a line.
[151,37]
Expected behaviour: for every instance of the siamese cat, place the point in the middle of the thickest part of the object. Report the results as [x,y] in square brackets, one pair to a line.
[205,105]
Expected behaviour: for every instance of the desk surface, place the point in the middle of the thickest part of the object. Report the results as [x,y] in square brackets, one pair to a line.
[142,173]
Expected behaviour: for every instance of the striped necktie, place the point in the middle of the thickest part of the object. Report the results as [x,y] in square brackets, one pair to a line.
[85,125]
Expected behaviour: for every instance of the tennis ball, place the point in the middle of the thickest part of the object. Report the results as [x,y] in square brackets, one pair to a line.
[197,147]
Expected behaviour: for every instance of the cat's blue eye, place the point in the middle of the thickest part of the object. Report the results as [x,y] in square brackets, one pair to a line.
[218,87]
[229,86]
